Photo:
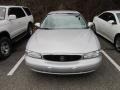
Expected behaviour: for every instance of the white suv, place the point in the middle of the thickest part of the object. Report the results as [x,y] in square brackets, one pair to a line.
[15,22]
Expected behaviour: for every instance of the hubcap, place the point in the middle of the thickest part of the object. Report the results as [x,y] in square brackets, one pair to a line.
[118,44]
[5,48]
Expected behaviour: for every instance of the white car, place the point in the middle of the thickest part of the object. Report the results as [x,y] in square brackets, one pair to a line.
[63,44]
[107,25]
[15,22]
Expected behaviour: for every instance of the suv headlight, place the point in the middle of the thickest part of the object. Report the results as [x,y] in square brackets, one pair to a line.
[93,54]
[33,54]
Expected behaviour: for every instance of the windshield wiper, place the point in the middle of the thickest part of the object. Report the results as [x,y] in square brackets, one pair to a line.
[46,28]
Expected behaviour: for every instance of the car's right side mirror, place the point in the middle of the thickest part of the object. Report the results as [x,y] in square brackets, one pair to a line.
[90,24]
[37,25]
[111,21]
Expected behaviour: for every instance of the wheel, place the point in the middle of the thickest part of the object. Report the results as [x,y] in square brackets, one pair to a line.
[117,43]
[30,30]
[5,47]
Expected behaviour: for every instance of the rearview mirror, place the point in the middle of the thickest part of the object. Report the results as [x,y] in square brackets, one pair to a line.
[111,21]
[90,24]
[37,25]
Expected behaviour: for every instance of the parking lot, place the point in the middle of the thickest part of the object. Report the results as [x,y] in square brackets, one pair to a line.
[14,75]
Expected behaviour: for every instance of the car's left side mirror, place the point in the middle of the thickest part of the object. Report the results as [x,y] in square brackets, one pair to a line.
[37,25]
[12,17]
[90,24]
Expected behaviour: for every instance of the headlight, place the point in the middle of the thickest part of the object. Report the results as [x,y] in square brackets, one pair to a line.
[33,54]
[93,54]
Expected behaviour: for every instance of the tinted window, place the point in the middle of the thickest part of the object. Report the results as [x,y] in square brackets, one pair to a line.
[27,11]
[104,16]
[107,17]
[16,11]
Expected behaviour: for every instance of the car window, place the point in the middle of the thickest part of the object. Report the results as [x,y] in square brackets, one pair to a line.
[27,11]
[16,11]
[65,21]
[2,13]
[118,15]
[107,17]
[103,16]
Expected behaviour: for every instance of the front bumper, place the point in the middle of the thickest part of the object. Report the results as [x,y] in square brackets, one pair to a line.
[63,68]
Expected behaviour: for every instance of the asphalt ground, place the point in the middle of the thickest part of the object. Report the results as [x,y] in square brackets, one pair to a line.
[107,77]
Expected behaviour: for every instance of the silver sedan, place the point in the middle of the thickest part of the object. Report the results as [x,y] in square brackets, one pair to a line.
[63,44]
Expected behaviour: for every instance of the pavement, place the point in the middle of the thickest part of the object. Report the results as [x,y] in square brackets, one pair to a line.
[14,74]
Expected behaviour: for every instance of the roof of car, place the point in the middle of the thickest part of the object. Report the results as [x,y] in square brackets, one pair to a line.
[7,6]
[114,11]
[64,12]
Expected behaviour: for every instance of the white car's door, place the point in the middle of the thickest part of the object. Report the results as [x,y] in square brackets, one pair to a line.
[104,27]
[17,26]
[99,23]
[13,25]
[23,22]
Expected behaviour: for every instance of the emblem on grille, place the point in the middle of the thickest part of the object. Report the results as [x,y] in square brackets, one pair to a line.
[62,58]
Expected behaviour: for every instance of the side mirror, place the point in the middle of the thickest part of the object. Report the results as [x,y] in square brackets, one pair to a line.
[37,25]
[111,21]
[90,24]
[12,17]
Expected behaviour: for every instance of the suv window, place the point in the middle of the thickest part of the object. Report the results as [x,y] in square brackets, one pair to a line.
[107,17]
[16,11]
[27,11]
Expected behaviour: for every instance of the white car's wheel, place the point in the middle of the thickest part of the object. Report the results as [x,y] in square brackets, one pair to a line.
[5,47]
[117,43]
[30,30]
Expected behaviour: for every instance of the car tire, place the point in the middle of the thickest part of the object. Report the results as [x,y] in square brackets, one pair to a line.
[117,43]
[30,30]
[5,47]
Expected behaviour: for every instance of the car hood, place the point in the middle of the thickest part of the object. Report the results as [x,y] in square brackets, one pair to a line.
[63,41]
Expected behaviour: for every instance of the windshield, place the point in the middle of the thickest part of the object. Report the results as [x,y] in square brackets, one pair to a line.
[64,21]
[2,13]
[118,15]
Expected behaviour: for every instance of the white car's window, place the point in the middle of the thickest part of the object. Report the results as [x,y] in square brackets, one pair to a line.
[107,16]
[64,21]
[2,13]
[16,11]
[118,15]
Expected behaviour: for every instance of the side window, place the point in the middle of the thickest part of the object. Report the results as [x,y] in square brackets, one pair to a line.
[104,16]
[107,17]
[112,17]
[16,11]
[27,11]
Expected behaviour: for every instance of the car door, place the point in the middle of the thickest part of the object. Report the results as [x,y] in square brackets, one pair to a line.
[103,27]
[109,28]
[18,25]
[13,24]
[100,21]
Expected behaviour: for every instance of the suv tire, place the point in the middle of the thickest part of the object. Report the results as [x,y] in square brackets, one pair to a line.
[5,47]
[30,30]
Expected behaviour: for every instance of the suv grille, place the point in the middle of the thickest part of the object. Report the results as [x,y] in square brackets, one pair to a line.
[62,58]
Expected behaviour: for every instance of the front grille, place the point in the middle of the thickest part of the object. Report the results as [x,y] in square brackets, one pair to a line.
[62,58]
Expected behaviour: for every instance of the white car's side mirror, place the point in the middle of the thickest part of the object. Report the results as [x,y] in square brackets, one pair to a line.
[111,21]
[37,25]
[12,17]
[90,24]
